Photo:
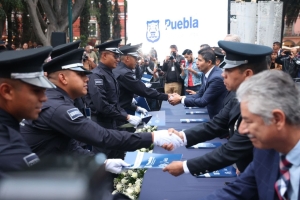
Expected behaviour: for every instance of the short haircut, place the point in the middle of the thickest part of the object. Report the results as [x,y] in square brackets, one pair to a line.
[208,55]
[187,51]
[174,47]
[232,38]
[277,43]
[204,46]
[255,67]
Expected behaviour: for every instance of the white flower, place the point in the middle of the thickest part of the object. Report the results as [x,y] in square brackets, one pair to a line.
[138,182]
[119,186]
[150,151]
[143,149]
[131,197]
[130,184]
[114,192]
[123,173]
[134,175]
[130,190]
[124,181]
[137,189]
[129,172]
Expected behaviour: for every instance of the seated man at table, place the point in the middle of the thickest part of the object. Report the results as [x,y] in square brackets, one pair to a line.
[212,91]
[273,127]
[242,61]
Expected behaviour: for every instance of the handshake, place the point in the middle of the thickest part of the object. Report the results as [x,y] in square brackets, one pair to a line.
[174,99]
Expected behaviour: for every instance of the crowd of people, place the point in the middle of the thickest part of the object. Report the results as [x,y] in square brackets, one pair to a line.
[83,100]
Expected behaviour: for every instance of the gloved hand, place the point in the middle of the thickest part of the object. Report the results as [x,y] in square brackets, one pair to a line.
[133,101]
[164,137]
[142,110]
[134,120]
[115,165]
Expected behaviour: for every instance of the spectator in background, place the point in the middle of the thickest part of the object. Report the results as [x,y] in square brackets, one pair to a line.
[276,48]
[171,68]
[153,53]
[219,57]
[232,38]
[30,45]
[91,54]
[13,46]
[202,46]
[148,67]
[273,64]
[290,62]
[190,73]
[25,46]
[34,45]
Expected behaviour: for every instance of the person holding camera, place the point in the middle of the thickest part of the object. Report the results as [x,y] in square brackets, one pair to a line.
[171,68]
[88,63]
[290,62]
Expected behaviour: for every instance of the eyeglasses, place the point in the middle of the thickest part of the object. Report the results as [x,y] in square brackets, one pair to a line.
[116,56]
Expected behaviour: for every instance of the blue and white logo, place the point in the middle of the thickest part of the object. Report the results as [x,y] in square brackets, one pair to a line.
[153,33]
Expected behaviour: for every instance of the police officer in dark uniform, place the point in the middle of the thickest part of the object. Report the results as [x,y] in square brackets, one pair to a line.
[103,94]
[22,92]
[219,57]
[129,84]
[60,122]
[242,60]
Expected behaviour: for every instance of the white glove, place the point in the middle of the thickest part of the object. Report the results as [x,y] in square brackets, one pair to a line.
[115,165]
[134,120]
[164,137]
[133,101]
[142,110]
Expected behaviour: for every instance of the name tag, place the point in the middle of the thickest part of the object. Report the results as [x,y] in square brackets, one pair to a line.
[173,69]
[74,113]
[88,113]
[31,159]
[98,82]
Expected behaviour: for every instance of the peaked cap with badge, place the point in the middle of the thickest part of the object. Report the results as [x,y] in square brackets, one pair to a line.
[218,52]
[112,46]
[26,66]
[131,50]
[71,60]
[243,53]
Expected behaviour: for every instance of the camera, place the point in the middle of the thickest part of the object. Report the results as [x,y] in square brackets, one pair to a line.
[84,57]
[173,56]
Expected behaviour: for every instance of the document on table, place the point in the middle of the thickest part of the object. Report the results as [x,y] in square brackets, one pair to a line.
[206,145]
[226,172]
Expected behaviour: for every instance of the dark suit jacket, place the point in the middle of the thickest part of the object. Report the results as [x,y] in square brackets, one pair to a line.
[237,150]
[257,182]
[210,94]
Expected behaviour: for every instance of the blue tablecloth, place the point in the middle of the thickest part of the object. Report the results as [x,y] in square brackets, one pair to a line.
[159,185]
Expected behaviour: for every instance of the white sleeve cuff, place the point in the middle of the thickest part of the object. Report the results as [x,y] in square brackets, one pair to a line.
[184,138]
[185,168]
[182,100]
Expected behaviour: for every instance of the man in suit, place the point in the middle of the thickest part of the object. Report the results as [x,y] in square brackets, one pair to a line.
[273,127]
[242,61]
[212,91]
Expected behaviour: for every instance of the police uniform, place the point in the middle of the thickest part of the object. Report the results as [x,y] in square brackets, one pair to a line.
[219,55]
[130,85]
[238,148]
[15,154]
[103,97]
[60,123]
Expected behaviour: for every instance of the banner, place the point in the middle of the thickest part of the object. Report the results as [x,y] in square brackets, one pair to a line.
[187,24]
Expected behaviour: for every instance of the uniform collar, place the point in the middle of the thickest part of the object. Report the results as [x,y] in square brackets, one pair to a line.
[61,92]
[104,67]
[9,120]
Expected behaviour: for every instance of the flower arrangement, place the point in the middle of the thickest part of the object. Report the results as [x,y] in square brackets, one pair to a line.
[129,182]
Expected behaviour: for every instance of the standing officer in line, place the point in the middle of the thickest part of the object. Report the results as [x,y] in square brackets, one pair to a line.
[22,92]
[103,94]
[128,83]
[242,61]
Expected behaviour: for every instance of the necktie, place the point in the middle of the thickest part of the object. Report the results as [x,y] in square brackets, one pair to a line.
[282,184]
[204,80]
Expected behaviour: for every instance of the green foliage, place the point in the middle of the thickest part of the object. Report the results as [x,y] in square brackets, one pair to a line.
[116,24]
[84,20]
[104,20]
[84,40]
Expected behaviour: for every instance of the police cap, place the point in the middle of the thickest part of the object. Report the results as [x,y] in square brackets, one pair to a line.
[112,46]
[218,52]
[243,53]
[64,48]
[26,66]
[131,50]
[71,60]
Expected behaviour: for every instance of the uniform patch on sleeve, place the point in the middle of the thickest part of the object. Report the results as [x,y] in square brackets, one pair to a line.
[98,81]
[74,113]
[31,159]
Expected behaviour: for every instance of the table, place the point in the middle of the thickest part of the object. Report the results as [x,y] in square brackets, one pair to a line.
[159,185]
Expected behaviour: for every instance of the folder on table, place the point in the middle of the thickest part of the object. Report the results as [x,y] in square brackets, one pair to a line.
[226,172]
[146,78]
[141,101]
[201,112]
[158,118]
[141,160]
[191,107]
[193,120]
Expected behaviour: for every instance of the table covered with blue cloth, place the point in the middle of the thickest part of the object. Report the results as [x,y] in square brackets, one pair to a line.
[159,185]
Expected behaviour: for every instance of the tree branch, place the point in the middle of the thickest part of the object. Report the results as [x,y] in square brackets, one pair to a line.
[48,9]
[76,10]
[41,20]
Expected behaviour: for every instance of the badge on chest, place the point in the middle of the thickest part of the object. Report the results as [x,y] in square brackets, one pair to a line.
[31,159]
[98,81]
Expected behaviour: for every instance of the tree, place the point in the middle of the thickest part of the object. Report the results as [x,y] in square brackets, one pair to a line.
[116,25]
[84,23]
[104,19]
[56,12]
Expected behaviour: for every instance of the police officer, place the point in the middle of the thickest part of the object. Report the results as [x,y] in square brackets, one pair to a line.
[242,60]
[128,83]
[60,123]
[103,93]
[22,92]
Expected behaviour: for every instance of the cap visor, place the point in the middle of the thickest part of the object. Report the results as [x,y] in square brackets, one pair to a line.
[80,69]
[41,81]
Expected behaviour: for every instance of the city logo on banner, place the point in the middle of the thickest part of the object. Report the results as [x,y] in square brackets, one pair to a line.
[153,33]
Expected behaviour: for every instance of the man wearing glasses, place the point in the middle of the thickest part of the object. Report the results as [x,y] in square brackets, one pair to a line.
[103,94]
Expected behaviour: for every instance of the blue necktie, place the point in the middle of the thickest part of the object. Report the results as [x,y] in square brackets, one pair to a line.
[204,80]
